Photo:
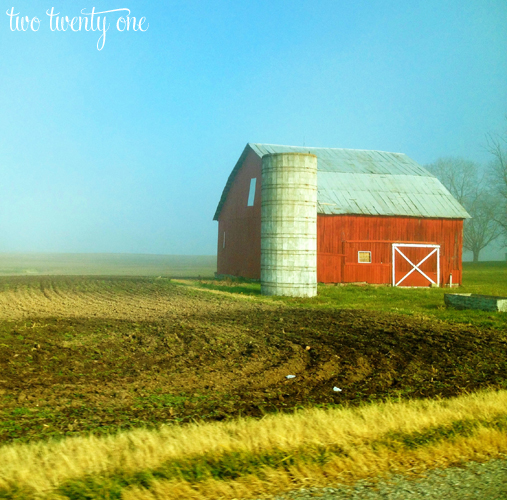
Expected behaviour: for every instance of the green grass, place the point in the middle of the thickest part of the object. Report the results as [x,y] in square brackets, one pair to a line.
[239,286]
[486,278]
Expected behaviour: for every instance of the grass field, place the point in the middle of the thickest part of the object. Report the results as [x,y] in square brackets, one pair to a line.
[488,278]
[98,355]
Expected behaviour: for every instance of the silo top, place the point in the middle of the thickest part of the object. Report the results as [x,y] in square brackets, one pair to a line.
[289,153]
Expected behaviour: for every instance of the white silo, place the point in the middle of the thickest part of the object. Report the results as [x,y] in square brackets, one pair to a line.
[289,225]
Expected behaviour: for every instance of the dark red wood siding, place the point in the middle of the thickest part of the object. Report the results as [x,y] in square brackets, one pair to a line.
[341,237]
[241,255]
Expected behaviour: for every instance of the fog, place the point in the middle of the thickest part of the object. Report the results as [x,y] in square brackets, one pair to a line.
[123,145]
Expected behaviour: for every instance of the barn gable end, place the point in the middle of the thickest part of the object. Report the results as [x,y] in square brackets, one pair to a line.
[239,225]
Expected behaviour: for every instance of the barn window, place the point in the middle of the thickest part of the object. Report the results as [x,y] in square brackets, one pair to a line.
[364,257]
[224,241]
[251,194]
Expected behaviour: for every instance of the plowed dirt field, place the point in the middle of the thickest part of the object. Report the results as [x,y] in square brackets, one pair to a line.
[96,354]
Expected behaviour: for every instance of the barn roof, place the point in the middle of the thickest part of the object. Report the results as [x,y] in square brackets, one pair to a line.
[361,182]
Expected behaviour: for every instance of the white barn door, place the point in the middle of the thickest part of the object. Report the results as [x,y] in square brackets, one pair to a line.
[415,264]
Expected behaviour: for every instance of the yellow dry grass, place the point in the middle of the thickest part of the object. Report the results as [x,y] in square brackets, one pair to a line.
[362,463]
[42,467]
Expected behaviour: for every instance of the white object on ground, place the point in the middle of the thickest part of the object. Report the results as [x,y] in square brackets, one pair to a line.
[336,389]
[290,376]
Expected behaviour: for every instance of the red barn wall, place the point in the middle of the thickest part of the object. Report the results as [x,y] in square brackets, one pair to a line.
[241,255]
[340,237]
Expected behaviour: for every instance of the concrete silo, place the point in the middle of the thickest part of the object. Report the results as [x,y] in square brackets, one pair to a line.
[289,225]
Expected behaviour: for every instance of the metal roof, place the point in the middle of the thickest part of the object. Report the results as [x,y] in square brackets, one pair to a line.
[361,182]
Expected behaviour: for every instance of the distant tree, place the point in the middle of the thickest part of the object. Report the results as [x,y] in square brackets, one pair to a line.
[461,177]
[482,229]
[497,145]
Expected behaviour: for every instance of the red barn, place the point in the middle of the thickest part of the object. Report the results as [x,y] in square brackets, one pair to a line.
[381,218]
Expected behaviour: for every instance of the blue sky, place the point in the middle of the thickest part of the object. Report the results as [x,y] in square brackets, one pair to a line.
[128,148]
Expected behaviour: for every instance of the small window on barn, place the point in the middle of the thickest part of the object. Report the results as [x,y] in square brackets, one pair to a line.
[224,241]
[251,194]
[364,257]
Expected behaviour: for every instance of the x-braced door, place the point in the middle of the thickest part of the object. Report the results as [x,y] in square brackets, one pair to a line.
[416,264]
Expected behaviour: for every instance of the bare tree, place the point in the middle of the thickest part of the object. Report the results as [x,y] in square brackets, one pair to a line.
[461,177]
[458,175]
[482,228]
[497,145]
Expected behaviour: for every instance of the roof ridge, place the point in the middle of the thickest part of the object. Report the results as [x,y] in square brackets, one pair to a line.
[321,147]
